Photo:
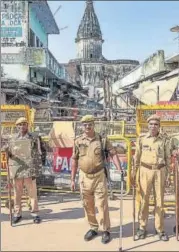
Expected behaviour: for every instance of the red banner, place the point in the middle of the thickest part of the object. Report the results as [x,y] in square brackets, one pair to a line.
[62,159]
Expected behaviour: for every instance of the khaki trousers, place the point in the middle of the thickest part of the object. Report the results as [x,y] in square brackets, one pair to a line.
[32,193]
[94,189]
[152,179]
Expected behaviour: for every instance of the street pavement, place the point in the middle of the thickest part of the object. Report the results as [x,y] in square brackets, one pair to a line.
[63,227]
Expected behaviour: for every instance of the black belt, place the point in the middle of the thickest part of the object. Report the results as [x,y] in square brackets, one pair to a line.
[153,167]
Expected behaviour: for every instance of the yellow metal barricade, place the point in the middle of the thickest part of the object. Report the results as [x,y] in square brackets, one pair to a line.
[117,139]
[169,115]
[60,181]
[130,130]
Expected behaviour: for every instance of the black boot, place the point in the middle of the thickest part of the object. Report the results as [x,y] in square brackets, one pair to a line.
[174,229]
[105,237]
[163,236]
[37,220]
[141,234]
[90,235]
[16,219]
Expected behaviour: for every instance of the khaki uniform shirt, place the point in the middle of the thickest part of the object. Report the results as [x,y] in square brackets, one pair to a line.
[153,150]
[88,152]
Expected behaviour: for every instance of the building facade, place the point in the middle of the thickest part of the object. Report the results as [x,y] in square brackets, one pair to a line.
[97,71]
[154,80]
[30,72]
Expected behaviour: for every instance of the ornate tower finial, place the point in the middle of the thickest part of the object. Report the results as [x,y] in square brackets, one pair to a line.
[89,37]
[89,1]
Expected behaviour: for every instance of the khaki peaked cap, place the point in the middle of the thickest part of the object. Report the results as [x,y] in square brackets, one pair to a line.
[87,118]
[153,117]
[21,120]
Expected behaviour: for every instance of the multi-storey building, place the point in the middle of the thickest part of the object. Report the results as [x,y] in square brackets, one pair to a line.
[30,72]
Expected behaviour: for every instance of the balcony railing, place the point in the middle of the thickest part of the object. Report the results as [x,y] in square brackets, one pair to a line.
[35,57]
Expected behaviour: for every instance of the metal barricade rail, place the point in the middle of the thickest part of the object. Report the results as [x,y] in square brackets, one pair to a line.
[58,178]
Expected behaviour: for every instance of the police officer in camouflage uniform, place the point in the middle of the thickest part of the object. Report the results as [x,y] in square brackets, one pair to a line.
[87,155]
[153,159]
[25,165]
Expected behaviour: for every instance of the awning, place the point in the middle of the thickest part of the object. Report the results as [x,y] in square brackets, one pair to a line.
[62,135]
[45,16]
[147,91]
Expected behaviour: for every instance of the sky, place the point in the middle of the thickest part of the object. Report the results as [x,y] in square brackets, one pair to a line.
[131,29]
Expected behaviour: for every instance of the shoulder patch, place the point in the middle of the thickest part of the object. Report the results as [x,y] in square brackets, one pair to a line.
[78,137]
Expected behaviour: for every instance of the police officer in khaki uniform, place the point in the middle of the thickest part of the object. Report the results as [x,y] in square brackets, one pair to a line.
[87,155]
[153,159]
[24,168]
[175,152]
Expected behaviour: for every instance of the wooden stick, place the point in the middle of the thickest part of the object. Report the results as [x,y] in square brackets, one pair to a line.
[176,197]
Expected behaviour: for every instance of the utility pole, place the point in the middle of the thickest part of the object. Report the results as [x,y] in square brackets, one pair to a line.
[107,89]
[158,94]
[104,89]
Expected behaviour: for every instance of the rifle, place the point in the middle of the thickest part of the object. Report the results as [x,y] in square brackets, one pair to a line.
[9,192]
[106,167]
[133,199]
[121,212]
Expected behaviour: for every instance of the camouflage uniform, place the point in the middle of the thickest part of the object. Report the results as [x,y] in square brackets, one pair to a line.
[152,160]
[25,166]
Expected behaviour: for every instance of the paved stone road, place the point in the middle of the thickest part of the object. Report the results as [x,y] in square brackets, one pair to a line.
[64,225]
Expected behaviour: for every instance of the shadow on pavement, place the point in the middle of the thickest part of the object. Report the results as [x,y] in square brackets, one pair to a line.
[47,215]
[127,229]
[69,213]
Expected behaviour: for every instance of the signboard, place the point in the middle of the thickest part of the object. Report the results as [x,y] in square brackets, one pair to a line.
[168,103]
[62,160]
[11,116]
[172,115]
[12,25]
[11,28]
[12,58]
[3,160]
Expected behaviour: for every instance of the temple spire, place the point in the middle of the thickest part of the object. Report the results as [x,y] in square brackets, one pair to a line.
[89,26]
[89,37]
[89,1]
